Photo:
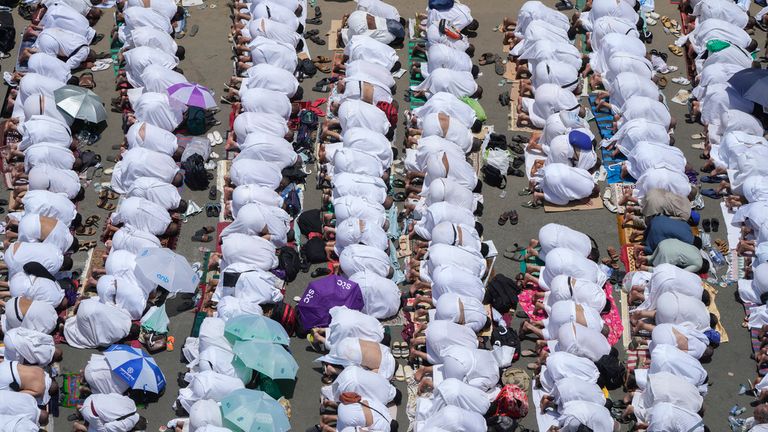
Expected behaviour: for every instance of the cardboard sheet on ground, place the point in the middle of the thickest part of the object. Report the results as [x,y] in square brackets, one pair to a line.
[333,40]
[733,233]
[514,93]
[592,203]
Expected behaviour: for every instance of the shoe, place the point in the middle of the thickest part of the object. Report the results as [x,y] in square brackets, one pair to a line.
[706,225]
[715,225]
[320,271]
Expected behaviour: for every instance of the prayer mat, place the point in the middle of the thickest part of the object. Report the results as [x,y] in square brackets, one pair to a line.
[333,36]
[638,358]
[23,44]
[544,420]
[603,120]
[530,159]
[591,203]
[69,390]
[712,308]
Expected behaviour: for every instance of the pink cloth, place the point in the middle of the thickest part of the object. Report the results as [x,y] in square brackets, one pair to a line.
[612,319]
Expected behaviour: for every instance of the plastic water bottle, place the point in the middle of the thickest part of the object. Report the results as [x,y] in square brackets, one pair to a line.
[717,258]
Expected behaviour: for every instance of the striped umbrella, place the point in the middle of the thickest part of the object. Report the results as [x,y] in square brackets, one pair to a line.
[136,368]
[192,94]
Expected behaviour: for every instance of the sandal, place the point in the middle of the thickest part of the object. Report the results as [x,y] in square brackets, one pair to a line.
[106,205]
[525,192]
[499,66]
[201,237]
[206,230]
[715,226]
[706,225]
[193,31]
[318,40]
[503,218]
[87,246]
[322,59]
[518,255]
[85,231]
[400,197]
[487,58]
[323,67]
[108,195]
[513,217]
[532,204]
[504,99]
[676,50]
[212,192]
[92,220]
[87,81]
[398,183]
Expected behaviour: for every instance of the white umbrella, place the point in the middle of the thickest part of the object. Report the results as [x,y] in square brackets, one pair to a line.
[167,269]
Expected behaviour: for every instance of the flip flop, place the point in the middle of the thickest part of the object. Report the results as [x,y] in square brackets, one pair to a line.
[87,246]
[193,31]
[499,66]
[85,231]
[503,218]
[513,217]
[532,204]
[92,220]
[218,139]
[201,237]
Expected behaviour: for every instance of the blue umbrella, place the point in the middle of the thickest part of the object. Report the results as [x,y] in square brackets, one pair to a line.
[751,84]
[137,368]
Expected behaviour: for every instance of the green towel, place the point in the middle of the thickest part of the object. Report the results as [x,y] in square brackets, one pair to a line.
[475,105]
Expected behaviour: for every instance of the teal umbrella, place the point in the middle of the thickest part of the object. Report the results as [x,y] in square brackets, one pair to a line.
[271,360]
[253,411]
[255,327]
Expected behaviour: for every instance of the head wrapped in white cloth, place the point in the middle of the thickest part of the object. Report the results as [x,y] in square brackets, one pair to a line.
[96,324]
[358,257]
[564,364]
[675,308]
[566,261]
[686,339]
[474,366]
[207,385]
[36,288]
[453,234]
[203,413]
[40,315]
[456,393]
[754,291]
[582,341]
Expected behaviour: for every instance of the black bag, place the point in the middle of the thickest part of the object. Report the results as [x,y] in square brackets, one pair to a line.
[501,424]
[612,372]
[285,314]
[195,174]
[501,294]
[505,336]
[290,262]
[195,121]
[308,122]
[7,29]
[494,177]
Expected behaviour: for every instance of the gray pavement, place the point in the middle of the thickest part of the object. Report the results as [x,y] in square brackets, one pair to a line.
[208,62]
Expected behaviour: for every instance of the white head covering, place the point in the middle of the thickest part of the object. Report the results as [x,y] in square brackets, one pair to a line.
[463,310]
[553,235]
[108,412]
[29,346]
[367,384]
[350,352]
[581,291]
[564,364]
[582,341]
[675,308]
[96,324]
[40,316]
[99,376]
[444,334]
[476,367]
[566,261]
[347,322]
[204,412]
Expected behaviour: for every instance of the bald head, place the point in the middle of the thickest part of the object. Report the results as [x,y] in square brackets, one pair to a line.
[761,414]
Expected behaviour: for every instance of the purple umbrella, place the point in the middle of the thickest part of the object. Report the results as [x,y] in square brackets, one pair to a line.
[192,94]
[323,294]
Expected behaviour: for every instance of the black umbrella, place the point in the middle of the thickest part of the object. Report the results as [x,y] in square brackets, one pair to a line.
[751,84]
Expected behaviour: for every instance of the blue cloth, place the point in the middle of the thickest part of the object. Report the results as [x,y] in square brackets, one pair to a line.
[580,140]
[661,227]
[441,5]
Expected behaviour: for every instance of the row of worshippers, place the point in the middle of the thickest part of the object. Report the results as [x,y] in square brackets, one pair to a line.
[448,267]
[146,180]
[549,66]
[668,305]
[355,162]
[263,93]
[40,239]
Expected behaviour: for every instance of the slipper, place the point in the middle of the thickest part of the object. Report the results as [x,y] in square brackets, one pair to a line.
[98,38]
[314,21]
[504,99]
[715,225]
[309,33]
[318,40]
[532,204]
[681,81]
[499,66]
[8,77]
[711,193]
[87,246]
[108,195]
[525,192]
[662,82]
[503,218]
[214,155]
[85,231]
[651,21]
[398,183]
[217,138]
[487,58]
[513,217]
[400,373]
[109,171]
[320,271]
[202,238]
[212,193]
[400,197]
[99,67]
[321,89]
[92,220]
[676,50]
[518,256]
[106,205]
[211,139]
[324,68]
[516,172]
[706,225]
[322,59]
[713,179]
[193,31]
[528,353]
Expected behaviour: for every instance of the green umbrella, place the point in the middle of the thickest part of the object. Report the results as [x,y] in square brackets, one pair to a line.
[79,103]
[271,360]
[253,411]
[255,327]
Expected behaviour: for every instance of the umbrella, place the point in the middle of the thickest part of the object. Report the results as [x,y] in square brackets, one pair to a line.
[136,368]
[167,269]
[751,84]
[192,94]
[78,103]
[271,360]
[323,294]
[253,411]
[255,327]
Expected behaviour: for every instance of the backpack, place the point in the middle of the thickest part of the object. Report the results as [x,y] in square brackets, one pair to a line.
[195,121]
[612,372]
[307,124]
[7,29]
[291,200]
[501,294]
[290,262]
[285,315]
[494,177]
[505,336]
[511,401]
[195,174]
